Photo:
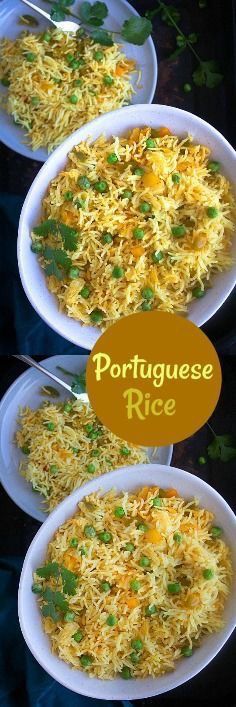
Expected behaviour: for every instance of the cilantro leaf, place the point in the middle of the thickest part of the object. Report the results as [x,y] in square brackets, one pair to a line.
[102,36]
[69,581]
[56,257]
[207,74]
[136,30]
[57,13]
[69,236]
[51,569]
[222,447]
[49,610]
[93,14]
[55,604]
[170,14]
[45,228]
[79,383]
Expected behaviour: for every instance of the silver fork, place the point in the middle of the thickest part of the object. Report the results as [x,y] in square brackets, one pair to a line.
[31,362]
[65,26]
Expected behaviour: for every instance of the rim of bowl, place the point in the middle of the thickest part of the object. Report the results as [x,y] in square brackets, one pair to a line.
[64,148]
[69,503]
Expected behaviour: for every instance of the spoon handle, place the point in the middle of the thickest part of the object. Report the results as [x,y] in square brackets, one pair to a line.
[30,361]
[40,11]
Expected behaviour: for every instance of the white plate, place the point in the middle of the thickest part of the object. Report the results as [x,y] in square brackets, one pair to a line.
[126,479]
[26,391]
[119,122]
[119,10]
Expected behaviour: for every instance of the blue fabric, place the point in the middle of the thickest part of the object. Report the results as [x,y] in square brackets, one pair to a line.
[23,682]
[21,329]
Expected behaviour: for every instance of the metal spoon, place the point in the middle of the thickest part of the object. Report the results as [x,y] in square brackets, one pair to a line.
[27,359]
[65,26]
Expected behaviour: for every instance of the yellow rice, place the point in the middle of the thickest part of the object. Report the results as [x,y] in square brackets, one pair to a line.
[58,461]
[49,81]
[186,262]
[180,620]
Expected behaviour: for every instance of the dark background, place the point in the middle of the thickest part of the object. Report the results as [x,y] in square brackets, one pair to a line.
[21,330]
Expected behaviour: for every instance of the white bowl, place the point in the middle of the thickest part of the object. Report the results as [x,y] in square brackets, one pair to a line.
[119,10]
[116,123]
[25,391]
[125,479]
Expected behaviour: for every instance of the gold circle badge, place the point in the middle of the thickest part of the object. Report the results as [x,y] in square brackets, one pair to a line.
[153,378]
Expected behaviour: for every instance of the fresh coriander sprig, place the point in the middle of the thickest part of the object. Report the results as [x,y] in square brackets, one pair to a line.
[92,15]
[222,447]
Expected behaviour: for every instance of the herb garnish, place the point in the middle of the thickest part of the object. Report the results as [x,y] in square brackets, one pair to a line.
[28,20]
[56,258]
[54,601]
[222,447]
[79,380]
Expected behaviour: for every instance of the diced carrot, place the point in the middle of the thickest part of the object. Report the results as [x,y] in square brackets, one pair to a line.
[137,251]
[120,70]
[132,602]
[171,493]
[185,527]
[150,179]
[134,135]
[144,492]
[153,536]
[45,85]
[70,562]
[164,131]
[182,166]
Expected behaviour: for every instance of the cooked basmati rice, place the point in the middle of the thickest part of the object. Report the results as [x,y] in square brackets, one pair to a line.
[111,580]
[40,90]
[137,210]
[76,449]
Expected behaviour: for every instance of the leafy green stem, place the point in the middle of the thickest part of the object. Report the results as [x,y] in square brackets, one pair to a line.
[163,6]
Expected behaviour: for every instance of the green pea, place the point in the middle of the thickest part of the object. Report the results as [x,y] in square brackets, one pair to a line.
[108,80]
[177,537]
[137,644]
[77,636]
[157,502]
[83,551]
[35,101]
[174,587]
[112,158]
[86,660]
[36,247]
[96,316]
[74,542]
[119,512]
[73,99]
[50,426]
[142,526]
[144,561]
[75,64]
[81,62]
[67,407]
[101,186]
[46,37]
[80,203]
[150,143]
[198,292]
[216,532]
[126,673]
[89,427]
[138,234]
[125,451]
[126,194]
[98,56]
[111,620]
[129,547]
[105,536]
[157,256]
[37,588]
[178,231]
[135,658]
[93,435]
[145,207]
[5,81]
[214,166]
[146,306]
[89,531]
[187,88]
[68,195]
[84,182]
[95,452]
[212,212]
[147,293]
[139,171]
[69,616]
[85,292]
[91,468]
[30,56]
[186,651]
[135,585]
[105,587]
[70,58]
[53,469]
[77,82]
[175,178]
[150,610]
[208,574]
[117,272]
[107,238]
[202,460]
